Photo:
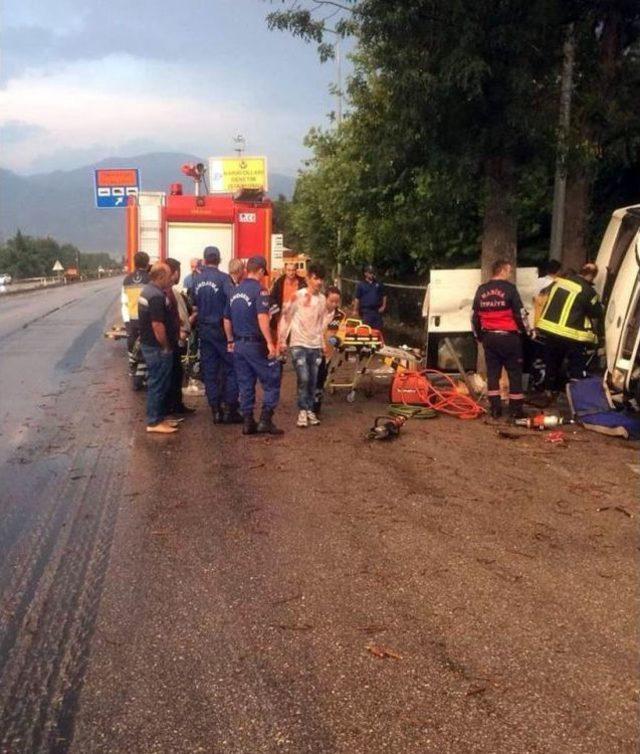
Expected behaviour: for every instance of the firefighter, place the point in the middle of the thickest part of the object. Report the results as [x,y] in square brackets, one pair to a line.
[131,287]
[370,301]
[499,320]
[211,289]
[254,351]
[536,350]
[570,322]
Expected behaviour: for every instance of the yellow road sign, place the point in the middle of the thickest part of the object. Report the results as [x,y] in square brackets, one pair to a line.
[230,174]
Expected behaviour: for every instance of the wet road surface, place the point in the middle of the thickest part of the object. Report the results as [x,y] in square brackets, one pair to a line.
[61,462]
[452,592]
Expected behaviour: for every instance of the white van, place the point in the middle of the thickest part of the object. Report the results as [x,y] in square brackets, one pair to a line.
[618,284]
[447,312]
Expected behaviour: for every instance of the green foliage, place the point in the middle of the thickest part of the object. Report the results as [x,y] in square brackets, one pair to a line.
[24,257]
[442,87]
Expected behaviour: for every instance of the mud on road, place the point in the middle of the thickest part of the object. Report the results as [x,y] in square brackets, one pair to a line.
[451,592]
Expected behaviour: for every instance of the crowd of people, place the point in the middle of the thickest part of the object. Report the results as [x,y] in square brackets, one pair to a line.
[244,334]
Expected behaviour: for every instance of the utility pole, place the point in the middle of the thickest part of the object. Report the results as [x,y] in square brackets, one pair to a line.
[338,280]
[339,74]
[560,184]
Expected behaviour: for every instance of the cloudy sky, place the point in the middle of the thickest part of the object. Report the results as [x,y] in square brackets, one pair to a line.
[82,80]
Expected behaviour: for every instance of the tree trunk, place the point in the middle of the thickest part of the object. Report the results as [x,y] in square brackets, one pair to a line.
[499,228]
[499,231]
[576,211]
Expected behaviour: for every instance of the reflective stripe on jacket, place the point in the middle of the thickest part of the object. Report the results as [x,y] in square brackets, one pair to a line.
[570,310]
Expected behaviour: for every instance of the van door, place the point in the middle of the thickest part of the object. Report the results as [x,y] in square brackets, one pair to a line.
[628,229]
[628,355]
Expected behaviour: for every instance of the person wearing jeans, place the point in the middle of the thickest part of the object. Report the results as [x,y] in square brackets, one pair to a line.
[302,324]
[160,365]
[158,338]
[306,362]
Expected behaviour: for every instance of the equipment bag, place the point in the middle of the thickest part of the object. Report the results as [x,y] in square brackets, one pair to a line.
[410,388]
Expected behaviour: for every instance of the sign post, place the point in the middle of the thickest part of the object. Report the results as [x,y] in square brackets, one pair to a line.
[57,268]
[230,174]
[277,249]
[113,187]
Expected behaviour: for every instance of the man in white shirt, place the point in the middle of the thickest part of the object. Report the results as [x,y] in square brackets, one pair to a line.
[302,324]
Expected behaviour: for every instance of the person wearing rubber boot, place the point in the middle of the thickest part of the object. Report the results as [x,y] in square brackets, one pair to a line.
[254,351]
[499,321]
[211,291]
[571,322]
[132,285]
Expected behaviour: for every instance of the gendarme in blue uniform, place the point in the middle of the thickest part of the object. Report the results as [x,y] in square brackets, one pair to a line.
[370,296]
[211,289]
[250,351]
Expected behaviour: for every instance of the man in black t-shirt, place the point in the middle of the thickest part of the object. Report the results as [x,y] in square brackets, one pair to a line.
[158,338]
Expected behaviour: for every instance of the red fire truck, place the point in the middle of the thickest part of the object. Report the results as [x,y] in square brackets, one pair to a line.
[178,225]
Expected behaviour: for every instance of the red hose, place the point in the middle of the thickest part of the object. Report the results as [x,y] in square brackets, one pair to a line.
[446,400]
[449,400]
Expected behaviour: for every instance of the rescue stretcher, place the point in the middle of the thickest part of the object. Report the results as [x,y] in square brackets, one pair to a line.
[355,344]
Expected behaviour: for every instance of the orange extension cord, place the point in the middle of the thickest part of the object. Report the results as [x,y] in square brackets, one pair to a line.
[448,400]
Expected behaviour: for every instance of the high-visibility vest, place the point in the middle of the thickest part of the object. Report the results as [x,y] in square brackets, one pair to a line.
[564,313]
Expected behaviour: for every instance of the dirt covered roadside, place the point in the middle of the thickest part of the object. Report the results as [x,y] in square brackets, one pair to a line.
[454,591]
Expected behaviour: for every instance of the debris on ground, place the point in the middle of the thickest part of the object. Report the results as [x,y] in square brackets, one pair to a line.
[618,508]
[377,650]
[117,332]
[503,434]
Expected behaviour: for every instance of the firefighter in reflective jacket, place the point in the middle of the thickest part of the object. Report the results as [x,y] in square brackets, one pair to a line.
[570,323]
[131,287]
[499,321]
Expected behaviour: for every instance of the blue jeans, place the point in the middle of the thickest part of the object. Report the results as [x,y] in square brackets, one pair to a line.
[160,366]
[306,362]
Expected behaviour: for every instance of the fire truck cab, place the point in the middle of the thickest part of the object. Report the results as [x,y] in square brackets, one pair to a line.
[178,225]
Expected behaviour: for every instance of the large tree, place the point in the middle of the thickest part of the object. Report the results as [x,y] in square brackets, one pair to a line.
[602,147]
[451,137]
[465,82]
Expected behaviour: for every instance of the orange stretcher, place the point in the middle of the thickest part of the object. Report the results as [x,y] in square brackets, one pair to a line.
[355,344]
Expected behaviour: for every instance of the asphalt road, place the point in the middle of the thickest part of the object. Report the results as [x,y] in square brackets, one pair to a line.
[452,592]
[61,462]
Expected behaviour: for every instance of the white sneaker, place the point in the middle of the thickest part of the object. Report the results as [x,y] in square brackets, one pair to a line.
[312,419]
[302,419]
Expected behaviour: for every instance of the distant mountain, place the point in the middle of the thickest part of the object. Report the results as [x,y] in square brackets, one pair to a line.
[61,204]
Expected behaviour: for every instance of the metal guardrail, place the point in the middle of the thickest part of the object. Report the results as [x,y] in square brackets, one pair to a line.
[29,283]
[32,284]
